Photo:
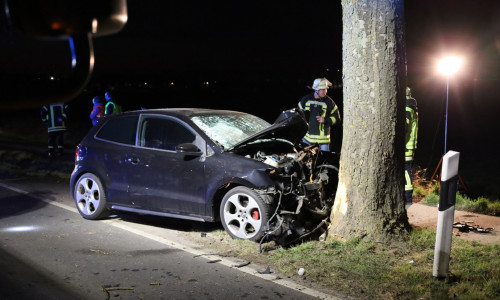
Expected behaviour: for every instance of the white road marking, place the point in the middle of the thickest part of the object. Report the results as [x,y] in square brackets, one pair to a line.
[212,257]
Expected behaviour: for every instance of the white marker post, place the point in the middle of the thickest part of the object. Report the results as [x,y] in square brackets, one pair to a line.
[446,214]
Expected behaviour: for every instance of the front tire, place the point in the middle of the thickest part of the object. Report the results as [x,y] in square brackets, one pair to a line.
[244,214]
[90,198]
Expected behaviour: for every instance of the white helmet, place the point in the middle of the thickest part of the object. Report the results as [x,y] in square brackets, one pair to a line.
[321,84]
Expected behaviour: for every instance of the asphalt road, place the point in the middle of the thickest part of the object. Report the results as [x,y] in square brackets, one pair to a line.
[47,251]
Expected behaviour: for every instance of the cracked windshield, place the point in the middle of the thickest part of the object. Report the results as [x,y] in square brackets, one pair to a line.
[230,129]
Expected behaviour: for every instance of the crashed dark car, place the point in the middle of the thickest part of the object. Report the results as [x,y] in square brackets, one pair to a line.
[257,179]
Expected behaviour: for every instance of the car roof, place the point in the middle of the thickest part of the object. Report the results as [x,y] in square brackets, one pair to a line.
[187,112]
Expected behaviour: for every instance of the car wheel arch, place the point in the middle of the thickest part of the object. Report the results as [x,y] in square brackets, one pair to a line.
[218,196]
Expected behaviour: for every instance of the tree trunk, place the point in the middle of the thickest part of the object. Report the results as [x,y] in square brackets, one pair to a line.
[370,197]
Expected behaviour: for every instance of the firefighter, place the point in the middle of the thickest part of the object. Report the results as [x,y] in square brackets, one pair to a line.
[111,106]
[411,129]
[97,110]
[320,112]
[54,116]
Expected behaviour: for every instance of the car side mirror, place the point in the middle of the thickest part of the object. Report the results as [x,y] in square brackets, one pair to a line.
[188,149]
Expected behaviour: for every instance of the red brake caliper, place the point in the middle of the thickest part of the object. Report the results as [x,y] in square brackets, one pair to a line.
[255,215]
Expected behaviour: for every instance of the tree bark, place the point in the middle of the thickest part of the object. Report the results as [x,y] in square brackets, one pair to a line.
[370,197]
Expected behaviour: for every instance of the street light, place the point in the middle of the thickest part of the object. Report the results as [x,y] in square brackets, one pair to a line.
[448,189]
[448,66]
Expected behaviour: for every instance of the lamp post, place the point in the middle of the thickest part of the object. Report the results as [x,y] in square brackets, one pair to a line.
[447,196]
[448,66]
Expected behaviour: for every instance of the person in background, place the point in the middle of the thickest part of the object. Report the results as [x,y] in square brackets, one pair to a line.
[111,106]
[97,110]
[321,113]
[54,116]
[411,130]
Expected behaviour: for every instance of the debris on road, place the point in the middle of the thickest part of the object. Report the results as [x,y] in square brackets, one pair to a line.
[241,265]
[468,226]
[266,271]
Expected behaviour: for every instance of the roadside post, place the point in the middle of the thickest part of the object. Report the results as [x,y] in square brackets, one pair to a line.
[446,214]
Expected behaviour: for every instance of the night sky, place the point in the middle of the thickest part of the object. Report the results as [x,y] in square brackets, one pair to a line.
[259,56]
[171,37]
[249,36]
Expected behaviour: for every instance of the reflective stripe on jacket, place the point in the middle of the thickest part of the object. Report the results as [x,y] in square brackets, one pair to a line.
[110,108]
[54,116]
[411,128]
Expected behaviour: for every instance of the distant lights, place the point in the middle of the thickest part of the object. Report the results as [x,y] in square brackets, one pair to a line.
[55,26]
[172,83]
[95,24]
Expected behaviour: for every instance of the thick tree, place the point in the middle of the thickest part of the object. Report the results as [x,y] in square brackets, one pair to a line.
[369,202]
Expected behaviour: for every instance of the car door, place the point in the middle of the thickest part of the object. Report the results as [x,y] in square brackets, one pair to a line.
[162,179]
[116,139]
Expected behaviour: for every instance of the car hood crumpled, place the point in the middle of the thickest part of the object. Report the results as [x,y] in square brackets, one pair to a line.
[290,126]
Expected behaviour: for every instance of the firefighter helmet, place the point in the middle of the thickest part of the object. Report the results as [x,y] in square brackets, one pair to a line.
[96,100]
[321,84]
[108,96]
[408,92]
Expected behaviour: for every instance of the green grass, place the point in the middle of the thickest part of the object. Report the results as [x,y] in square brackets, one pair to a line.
[429,192]
[373,271]
[337,264]
[368,270]
[480,205]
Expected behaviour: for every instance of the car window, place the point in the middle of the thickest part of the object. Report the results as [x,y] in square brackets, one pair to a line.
[229,129]
[164,133]
[119,130]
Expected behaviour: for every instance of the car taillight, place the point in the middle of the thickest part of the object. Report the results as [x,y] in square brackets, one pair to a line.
[77,153]
[80,153]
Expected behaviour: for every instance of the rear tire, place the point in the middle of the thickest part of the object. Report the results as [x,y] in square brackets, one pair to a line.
[244,214]
[90,198]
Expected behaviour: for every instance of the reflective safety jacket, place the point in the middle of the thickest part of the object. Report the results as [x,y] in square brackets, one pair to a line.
[97,112]
[325,107]
[110,107]
[411,128]
[54,116]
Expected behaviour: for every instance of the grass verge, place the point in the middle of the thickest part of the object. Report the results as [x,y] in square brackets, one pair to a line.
[429,193]
[367,270]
